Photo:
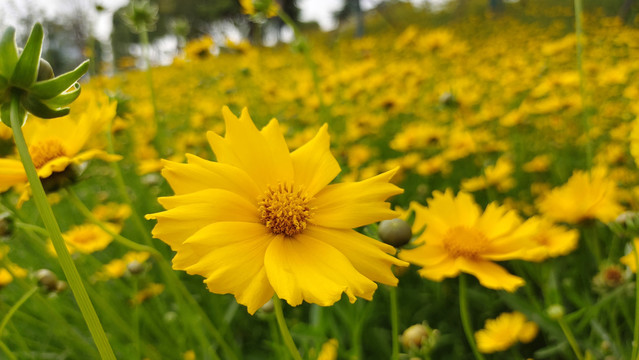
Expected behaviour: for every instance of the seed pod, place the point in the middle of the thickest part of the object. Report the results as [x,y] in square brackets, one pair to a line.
[47,279]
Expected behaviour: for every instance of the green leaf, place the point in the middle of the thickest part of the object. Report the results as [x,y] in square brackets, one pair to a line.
[63,99]
[8,52]
[26,71]
[37,108]
[53,87]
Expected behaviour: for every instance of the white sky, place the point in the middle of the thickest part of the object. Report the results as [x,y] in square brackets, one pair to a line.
[318,10]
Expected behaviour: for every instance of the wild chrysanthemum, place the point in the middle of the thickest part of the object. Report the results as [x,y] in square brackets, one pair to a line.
[503,332]
[458,237]
[262,220]
[586,196]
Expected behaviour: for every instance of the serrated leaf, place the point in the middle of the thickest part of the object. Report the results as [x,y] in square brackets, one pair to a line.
[37,108]
[63,99]
[8,52]
[26,71]
[53,87]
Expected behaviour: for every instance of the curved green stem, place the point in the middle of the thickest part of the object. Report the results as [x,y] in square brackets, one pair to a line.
[15,307]
[68,267]
[394,322]
[582,87]
[465,317]
[571,338]
[286,335]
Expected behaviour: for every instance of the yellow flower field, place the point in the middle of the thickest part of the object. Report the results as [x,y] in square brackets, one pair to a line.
[239,203]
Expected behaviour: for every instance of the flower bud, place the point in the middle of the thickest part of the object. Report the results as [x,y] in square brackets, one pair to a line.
[268,307]
[419,339]
[135,267]
[395,232]
[45,71]
[60,286]
[555,312]
[47,279]
[6,225]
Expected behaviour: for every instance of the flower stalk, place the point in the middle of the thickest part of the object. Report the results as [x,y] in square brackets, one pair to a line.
[68,267]
[286,335]
[465,317]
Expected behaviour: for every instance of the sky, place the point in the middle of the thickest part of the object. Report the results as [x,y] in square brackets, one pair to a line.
[318,10]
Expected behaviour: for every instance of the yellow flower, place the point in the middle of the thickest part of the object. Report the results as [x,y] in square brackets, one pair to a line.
[147,293]
[539,163]
[551,240]
[629,260]
[584,197]
[54,145]
[262,220]
[5,277]
[503,332]
[329,350]
[458,237]
[86,239]
[199,49]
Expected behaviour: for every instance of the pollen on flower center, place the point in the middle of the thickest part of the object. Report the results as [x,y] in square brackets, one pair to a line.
[44,151]
[461,241]
[284,209]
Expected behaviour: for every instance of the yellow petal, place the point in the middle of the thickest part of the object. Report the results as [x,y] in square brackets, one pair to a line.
[230,255]
[247,148]
[350,205]
[11,173]
[200,174]
[191,212]
[56,165]
[490,274]
[425,255]
[315,167]
[438,271]
[369,257]
[304,268]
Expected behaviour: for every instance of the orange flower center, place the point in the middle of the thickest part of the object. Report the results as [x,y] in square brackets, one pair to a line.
[461,241]
[44,151]
[284,210]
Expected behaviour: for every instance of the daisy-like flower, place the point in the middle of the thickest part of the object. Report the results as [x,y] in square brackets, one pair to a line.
[86,239]
[629,259]
[503,332]
[262,221]
[586,196]
[54,146]
[458,237]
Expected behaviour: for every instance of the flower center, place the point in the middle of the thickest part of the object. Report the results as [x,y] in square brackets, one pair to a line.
[284,210]
[461,241]
[44,151]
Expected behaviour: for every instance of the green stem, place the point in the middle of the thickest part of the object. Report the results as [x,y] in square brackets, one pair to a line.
[68,267]
[7,351]
[14,308]
[635,344]
[286,335]
[571,338]
[465,317]
[582,88]
[394,322]
[75,200]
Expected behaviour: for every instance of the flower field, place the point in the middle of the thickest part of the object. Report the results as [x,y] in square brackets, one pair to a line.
[441,188]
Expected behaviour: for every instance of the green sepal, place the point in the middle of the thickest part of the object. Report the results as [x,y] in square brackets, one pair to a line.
[5,114]
[26,70]
[37,108]
[63,99]
[8,52]
[50,88]
[4,84]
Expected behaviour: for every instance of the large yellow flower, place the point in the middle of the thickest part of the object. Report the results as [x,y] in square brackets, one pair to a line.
[56,144]
[460,238]
[262,220]
[586,196]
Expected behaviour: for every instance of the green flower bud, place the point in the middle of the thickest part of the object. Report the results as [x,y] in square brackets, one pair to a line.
[6,225]
[555,312]
[141,16]
[395,232]
[135,267]
[27,77]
